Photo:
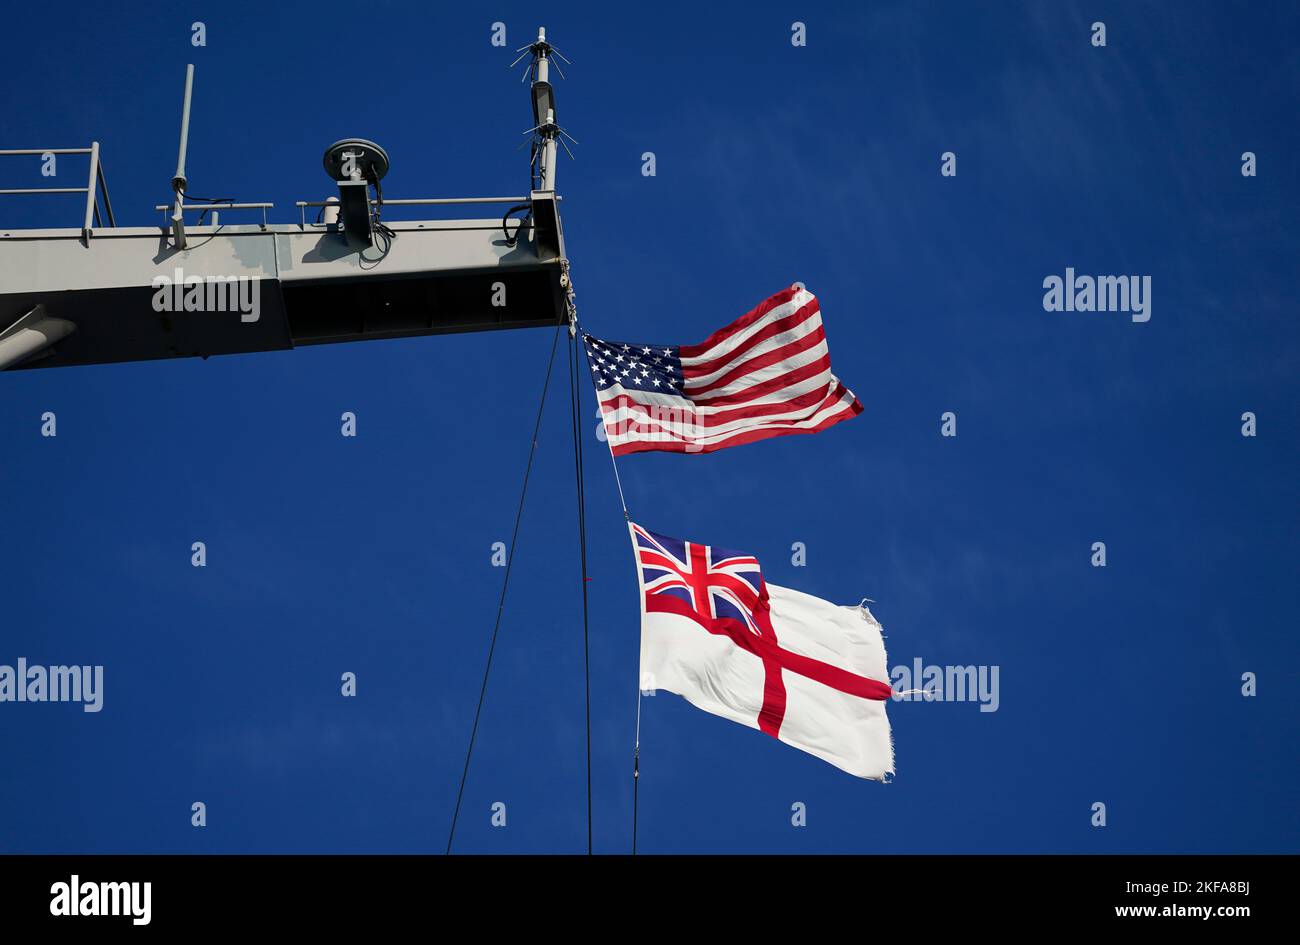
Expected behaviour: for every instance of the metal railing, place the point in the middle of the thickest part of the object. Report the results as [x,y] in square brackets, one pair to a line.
[218,205]
[302,205]
[94,186]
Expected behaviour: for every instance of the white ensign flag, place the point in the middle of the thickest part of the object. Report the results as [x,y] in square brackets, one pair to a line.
[799,668]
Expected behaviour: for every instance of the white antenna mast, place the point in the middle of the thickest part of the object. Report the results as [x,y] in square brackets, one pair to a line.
[545,129]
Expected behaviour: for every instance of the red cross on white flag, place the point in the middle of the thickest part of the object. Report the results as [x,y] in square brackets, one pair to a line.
[796,667]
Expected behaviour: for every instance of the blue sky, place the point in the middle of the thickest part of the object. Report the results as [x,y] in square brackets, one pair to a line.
[774,163]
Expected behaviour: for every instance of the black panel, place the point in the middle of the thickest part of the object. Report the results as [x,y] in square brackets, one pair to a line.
[349,310]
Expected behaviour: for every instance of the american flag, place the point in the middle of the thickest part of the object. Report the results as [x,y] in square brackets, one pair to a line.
[766,374]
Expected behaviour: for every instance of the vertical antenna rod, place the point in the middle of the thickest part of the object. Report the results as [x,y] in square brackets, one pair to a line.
[179,182]
[178,179]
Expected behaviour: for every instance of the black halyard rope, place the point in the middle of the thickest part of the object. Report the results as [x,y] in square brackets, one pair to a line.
[505,585]
[574,399]
[636,748]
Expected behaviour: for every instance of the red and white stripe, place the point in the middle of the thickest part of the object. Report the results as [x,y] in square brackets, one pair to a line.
[766,374]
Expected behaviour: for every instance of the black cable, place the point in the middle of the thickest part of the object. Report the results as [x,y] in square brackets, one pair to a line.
[574,398]
[511,240]
[510,561]
[534,176]
[636,752]
[204,213]
[384,232]
[189,196]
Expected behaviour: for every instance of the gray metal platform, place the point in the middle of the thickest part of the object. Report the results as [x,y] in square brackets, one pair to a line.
[103,293]
[438,276]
